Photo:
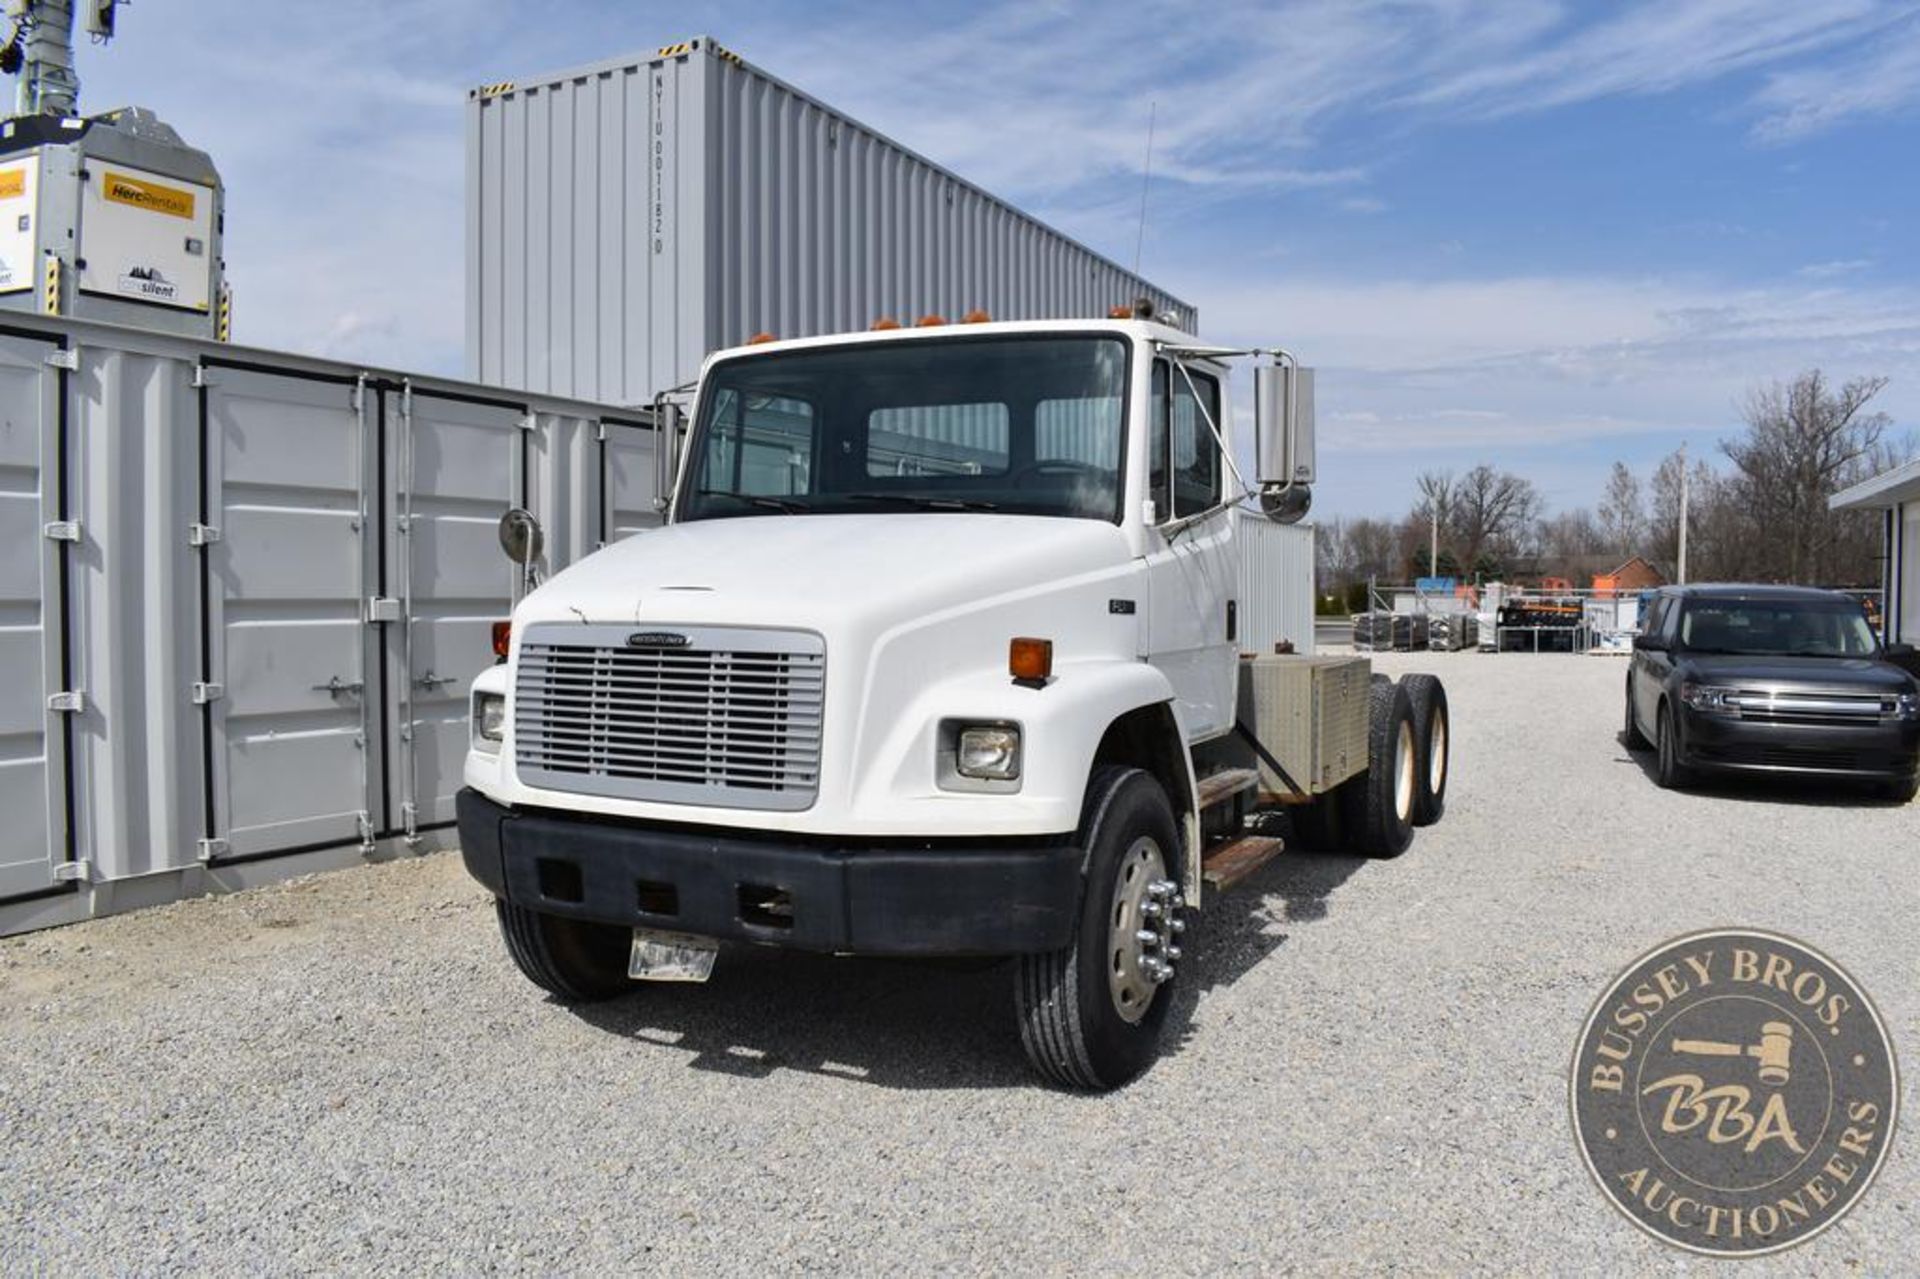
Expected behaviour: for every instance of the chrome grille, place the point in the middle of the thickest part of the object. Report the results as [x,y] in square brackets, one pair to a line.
[730,717]
[1811,708]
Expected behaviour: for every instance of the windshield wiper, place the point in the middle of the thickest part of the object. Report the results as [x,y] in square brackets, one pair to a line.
[925,503]
[787,504]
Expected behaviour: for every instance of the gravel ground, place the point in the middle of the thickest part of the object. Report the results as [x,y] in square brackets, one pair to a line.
[1367,1069]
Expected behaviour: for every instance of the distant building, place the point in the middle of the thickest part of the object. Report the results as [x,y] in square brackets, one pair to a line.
[1631,578]
[1895,495]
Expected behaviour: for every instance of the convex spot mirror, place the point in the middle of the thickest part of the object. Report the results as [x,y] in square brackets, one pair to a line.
[520,536]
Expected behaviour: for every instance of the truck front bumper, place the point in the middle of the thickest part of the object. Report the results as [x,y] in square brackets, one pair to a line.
[875,898]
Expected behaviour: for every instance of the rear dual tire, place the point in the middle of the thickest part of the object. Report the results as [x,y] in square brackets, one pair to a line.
[1433,741]
[1377,808]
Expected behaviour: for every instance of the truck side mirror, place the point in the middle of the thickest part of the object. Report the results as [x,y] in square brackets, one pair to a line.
[1284,439]
[522,540]
[1649,643]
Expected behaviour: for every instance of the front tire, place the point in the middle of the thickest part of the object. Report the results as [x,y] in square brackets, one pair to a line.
[1901,792]
[1091,1014]
[1671,773]
[574,961]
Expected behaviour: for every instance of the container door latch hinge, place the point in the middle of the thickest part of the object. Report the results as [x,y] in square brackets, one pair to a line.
[204,693]
[410,822]
[364,820]
[69,359]
[202,376]
[62,531]
[383,608]
[68,703]
[77,872]
[202,535]
[212,848]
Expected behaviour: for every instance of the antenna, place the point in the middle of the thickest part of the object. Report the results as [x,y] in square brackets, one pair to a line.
[1146,177]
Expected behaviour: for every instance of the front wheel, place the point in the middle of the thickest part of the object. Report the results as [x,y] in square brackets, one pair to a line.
[1671,773]
[1091,1014]
[1900,792]
[575,961]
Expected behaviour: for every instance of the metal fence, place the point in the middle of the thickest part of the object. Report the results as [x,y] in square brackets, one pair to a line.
[242,594]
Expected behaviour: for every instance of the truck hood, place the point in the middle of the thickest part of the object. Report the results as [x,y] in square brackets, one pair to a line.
[816,570]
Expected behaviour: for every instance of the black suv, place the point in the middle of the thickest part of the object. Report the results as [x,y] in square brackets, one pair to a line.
[1773,679]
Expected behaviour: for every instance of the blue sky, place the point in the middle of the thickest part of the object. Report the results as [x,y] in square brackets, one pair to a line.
[1544,235]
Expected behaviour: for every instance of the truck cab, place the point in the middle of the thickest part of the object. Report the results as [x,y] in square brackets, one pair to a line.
[934,654]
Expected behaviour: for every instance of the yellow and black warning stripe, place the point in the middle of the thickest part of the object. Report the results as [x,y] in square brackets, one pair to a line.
[675,50]
[486,91]
[223,318]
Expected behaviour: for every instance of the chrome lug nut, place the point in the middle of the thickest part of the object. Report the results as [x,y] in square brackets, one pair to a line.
[1147,937]
[1177,926]
[1173,952]
[1150,909]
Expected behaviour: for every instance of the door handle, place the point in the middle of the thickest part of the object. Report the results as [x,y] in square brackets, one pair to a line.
[336,686]
[430,681]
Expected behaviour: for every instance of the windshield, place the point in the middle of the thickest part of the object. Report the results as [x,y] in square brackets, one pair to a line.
[1022,425]
[1777,628]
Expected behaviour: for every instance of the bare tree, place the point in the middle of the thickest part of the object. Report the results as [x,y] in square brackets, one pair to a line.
[1492,514]
[1804,438]
[1622,516]
[1570,536]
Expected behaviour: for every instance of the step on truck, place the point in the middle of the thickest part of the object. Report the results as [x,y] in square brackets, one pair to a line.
[935,653]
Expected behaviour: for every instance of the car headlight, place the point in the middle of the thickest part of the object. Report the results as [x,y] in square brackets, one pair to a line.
[489,720]
[1907,706]
[990,752]
[1710,699]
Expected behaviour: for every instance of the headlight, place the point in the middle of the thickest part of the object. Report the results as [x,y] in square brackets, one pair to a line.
[1907,706]
[1710,699]
[489,720]
[988,751]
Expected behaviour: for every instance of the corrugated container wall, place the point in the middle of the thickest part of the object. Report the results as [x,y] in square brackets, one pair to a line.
[1276,583]
[625,219]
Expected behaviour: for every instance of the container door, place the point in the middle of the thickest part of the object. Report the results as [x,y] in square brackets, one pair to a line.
[32,735]
[287,591]
[457,465]
[629,480]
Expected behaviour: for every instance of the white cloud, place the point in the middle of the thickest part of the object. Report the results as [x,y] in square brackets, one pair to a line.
[1365,204]
[1881,79]
[1828,270]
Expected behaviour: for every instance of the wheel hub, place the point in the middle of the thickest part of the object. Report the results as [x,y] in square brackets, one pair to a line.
[1143,946]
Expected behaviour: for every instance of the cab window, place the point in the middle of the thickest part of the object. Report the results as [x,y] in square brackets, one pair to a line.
[1182,443]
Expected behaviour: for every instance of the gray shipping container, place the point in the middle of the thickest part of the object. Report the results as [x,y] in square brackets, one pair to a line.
[627,218]
[243,595]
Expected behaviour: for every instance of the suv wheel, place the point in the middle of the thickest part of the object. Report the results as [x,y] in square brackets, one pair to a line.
[1671,774]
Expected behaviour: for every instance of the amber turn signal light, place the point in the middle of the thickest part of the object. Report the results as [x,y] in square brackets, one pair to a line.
[761,337]
[976,316]
[1030,660]
[885,323]
[502,638]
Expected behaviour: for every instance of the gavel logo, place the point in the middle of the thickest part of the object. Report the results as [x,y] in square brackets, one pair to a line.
[1774,1051]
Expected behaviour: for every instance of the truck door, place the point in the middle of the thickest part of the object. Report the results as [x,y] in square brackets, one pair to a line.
[1190,567]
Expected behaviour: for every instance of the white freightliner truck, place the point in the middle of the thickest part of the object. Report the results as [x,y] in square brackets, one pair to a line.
[936,654]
